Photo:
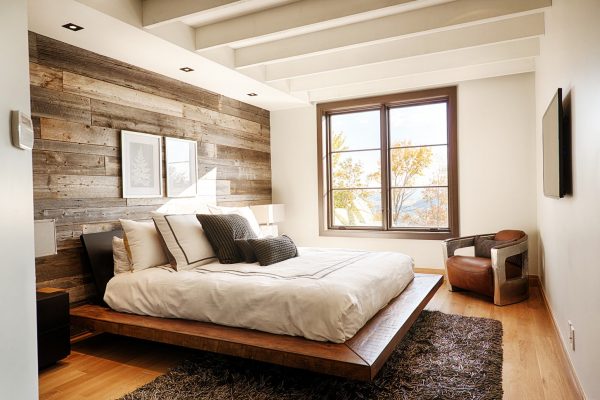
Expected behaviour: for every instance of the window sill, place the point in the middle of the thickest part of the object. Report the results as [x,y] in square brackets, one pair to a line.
[364,233]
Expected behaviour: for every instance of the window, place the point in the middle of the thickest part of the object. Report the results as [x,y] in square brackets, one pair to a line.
[387,166]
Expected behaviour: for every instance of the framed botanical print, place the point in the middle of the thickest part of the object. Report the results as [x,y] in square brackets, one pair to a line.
[182,167]
[141,157]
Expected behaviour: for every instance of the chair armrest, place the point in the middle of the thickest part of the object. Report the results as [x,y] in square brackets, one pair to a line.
[501,252]
[451,245]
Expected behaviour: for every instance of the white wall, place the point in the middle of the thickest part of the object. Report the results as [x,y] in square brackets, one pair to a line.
[569,234]
[18,360]
[496,132]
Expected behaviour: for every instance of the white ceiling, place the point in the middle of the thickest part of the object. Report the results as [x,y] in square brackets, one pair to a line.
[292,52]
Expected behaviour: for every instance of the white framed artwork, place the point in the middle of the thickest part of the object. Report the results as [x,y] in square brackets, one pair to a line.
[141,158]
[182,167]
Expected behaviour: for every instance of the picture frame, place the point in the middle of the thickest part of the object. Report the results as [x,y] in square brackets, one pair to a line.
[141,158]
[181,167]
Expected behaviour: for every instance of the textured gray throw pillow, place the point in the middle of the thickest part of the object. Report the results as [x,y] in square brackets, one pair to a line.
[246,251]
[273,250]
[483,248]
[222,230]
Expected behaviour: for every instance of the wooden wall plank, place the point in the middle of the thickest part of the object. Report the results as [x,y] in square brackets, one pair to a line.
[250,187]
[100,90]
[233,138]
[32,38]
[232,172]
[100,227]
[66,147]
[61,204]
[66,264]
[46,77]
[53,162]
[95,215]
[111,115]
[50,103]
[80,103]
[75,186]
[67,236]
[211,117]
[242,156]
[65,131]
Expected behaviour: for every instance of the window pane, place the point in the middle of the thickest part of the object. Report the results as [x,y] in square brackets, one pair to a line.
[420,208]
[355,131]
[418,125]
[356,169]
[419,166]
[360,207]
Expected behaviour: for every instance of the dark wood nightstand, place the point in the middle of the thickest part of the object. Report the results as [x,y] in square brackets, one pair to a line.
[53,336]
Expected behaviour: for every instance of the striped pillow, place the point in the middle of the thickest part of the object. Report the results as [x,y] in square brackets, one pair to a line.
[222,230]
[184,240]
[273,250]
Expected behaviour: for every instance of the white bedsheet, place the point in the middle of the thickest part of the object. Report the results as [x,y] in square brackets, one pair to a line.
[324,294]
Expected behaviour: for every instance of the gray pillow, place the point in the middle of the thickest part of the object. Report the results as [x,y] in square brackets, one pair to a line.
[246,251]
[222,230]
[273,250]
[483,248]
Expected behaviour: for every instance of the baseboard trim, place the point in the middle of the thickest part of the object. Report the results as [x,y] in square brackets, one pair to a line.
[565,351]
[533,279]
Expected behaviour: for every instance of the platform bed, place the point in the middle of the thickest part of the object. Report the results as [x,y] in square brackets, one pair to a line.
[360,357]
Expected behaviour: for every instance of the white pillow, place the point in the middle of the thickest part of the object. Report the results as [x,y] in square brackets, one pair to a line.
[185,240]
[120,257]
[245,212]
[143,244]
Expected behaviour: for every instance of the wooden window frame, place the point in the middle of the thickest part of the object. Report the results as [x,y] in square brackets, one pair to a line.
[383,103]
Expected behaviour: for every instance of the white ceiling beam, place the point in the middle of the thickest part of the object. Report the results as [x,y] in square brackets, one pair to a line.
[422,81]
[438,17]
[438,61]
[477,35]
[306,16]
[156,12]
[177,33]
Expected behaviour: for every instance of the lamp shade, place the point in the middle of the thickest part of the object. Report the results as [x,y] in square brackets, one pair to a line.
[269,213]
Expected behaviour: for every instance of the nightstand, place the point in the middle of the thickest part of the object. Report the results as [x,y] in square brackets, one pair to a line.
[53,335]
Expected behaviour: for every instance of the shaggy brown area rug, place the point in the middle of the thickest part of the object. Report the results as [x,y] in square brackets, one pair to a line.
[442,357]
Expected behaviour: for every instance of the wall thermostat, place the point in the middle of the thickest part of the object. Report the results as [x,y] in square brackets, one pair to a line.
[22,130]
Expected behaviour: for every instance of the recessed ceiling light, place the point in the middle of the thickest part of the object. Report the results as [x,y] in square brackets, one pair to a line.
[252,94]
[186,69]
[72,27]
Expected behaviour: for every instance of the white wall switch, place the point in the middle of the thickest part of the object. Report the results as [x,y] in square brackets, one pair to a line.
[21,130]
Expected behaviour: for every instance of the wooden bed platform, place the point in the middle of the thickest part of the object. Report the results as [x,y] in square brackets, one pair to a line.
[359,358]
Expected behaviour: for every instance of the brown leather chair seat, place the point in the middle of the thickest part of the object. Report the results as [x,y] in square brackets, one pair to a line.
[476,274]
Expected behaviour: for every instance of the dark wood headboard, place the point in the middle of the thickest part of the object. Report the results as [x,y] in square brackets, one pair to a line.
[98,253]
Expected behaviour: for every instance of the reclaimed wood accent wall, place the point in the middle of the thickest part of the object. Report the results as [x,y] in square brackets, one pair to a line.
[80,101]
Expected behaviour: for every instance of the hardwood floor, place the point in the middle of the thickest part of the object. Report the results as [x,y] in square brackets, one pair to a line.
[106,366]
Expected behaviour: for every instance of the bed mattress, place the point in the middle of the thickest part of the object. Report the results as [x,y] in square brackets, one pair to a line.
[324,294]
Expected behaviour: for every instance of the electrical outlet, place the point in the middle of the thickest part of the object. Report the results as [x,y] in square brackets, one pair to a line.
[572,335]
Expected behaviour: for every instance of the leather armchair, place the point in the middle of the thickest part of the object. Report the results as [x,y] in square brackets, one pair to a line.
[502,276]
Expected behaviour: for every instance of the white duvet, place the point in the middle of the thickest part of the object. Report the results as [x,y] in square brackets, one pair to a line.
[324,294]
